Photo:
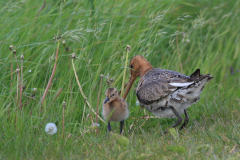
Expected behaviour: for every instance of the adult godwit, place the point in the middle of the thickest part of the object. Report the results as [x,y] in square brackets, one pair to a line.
[165,93]
[115,108]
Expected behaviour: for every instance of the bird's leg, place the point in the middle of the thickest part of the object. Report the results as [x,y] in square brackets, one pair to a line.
[178,116]
[121,126]
[185,120]
[109,126]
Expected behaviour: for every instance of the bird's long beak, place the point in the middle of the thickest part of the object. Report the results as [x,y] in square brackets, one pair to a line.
[130,82]
[106,100]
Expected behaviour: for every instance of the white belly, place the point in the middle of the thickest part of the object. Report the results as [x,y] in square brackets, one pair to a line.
[160,109]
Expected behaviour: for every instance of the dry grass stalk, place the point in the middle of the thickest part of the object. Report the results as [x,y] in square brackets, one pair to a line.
[42,7]
[67,139]
[17,72]
[125,68]
[49,83]
[98,100]
[64,106]
[146,117]
[80,88]
[11,48]
[89,115]
[21,84]
[30,98]
[83,111]
[59,91]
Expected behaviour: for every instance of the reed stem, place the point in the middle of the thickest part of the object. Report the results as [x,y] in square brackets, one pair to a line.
[64,105]
[49,83]
[125,69]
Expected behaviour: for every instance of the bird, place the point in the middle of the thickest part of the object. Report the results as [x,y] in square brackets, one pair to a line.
[114,108]
[165,93]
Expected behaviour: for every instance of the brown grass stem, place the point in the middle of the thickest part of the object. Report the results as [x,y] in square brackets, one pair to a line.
[11,74]
[84,108]
[17,83]
[42,7]
[64,105]
[89,115]
[11,83]
[124,72]
[70,86]
[21,84]
[26,103]
[67,139]
[30,98]
[146,117]
[18,74]
[49,83]
[59,91]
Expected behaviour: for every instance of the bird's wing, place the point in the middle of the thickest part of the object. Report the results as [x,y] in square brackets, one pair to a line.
[159,83]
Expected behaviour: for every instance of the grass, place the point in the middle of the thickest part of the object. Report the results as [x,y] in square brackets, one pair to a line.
[177,35]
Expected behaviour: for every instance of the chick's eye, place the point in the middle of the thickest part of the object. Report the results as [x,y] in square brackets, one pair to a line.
[113,95]
[131,66]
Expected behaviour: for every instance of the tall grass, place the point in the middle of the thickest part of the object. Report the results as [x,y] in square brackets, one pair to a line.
[176,35]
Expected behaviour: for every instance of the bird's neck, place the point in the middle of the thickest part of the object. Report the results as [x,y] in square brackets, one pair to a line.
[144,69]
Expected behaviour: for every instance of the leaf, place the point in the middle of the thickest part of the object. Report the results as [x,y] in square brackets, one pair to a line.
[173,133]
[177,149]
[204,147]
[121,140]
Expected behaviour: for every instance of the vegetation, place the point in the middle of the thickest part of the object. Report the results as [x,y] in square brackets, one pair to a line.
[178,35]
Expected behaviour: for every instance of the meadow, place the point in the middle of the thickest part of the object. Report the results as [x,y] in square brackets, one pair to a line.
[178,35]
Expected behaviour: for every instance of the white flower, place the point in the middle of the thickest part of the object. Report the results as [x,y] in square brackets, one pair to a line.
[11,47]
[128,48]
[51,128]
[137,103]
[30,70]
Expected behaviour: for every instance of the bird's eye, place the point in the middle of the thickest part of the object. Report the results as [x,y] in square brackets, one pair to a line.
[131,66]
[113,95]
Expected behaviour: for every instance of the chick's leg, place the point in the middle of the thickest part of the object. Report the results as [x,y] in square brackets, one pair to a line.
[109,127]
[121,126]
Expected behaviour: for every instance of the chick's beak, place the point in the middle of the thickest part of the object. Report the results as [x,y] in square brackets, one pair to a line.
[106,100]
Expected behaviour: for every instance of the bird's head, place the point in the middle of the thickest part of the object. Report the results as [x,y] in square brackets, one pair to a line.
[138,67]
[111,95]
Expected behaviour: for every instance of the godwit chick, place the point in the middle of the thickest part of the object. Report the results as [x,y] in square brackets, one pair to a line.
[165,93]
[115,108]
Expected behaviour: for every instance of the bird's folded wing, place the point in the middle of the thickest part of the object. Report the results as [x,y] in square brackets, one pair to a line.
[160,83]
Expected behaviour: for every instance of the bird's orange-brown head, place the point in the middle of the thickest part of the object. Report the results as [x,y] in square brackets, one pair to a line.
[138,67]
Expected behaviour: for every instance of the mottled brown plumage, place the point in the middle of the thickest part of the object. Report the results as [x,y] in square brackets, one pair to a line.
[115,108]
[163,92]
